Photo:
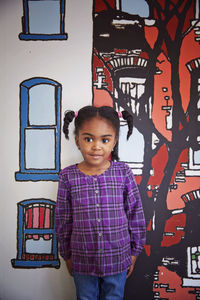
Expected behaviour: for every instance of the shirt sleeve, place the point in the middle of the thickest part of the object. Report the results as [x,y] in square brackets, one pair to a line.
[63,217]
[135,214]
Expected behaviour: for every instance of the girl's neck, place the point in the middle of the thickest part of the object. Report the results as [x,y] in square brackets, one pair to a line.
[91,170]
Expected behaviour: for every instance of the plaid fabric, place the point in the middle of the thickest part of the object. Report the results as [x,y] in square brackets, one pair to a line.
[99,219]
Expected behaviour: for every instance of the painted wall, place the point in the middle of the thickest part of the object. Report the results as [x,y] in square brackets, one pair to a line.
[67,62]
[146,59]
[58,55]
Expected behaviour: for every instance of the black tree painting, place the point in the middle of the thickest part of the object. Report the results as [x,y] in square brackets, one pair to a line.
[115,29]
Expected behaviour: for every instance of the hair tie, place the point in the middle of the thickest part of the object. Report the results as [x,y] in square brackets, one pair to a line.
[119,114]
[75,114]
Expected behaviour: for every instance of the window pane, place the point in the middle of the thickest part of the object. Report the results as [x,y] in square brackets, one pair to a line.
[134,87]
[44,16]
[42,105]
[38,246]
[40,149]
[197,157]
[136,7]
[133,149]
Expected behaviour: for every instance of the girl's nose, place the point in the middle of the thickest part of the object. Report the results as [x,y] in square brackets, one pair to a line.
[96,146]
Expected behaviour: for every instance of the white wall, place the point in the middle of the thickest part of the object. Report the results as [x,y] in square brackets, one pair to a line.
[69,63]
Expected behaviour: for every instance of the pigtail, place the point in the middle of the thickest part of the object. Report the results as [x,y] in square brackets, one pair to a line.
[69,116]
[129,118]
[114,153]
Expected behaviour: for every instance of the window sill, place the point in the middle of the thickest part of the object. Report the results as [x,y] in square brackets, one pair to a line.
[19,263]
[192,172]
[20,176]
[191,282]
[42,37]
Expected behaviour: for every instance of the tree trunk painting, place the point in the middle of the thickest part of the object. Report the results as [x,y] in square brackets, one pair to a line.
[146,59]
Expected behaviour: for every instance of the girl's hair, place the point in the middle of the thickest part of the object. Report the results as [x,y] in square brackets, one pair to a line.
[106,112]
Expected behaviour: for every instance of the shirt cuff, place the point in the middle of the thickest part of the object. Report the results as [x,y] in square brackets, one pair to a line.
[136,252]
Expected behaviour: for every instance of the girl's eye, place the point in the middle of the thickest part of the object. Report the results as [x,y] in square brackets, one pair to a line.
[105,141]
[88,139]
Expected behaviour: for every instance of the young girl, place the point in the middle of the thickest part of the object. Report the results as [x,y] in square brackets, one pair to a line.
[99,217]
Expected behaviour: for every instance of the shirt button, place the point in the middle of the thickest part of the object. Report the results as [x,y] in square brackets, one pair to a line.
[100,234]
[96,191]
[97,204]
[99,220]
[95,179]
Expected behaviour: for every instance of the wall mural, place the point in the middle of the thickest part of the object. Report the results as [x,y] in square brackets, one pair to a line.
[36,237]
[40,122]
[40,139]
[146,59]
[39,158]
[43,20]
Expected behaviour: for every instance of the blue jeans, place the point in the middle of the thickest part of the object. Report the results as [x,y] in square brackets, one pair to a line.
[100,288]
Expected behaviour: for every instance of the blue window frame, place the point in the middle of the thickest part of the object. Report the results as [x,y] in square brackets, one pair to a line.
[43,20]
[36,238]
[40,110]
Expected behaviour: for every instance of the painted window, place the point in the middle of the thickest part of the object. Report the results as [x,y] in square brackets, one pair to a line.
[43,20]
[197,158]
[36,237]
[40,130]
[194,155]
[193,254]
[128,150]
[194,161]
[193,267]
[134,7]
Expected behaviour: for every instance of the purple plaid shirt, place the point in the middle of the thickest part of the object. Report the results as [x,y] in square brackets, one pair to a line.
[99,219]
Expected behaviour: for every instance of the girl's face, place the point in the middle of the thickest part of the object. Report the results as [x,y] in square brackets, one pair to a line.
[96,139]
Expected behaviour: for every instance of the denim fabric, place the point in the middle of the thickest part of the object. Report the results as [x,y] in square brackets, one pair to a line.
[90,287]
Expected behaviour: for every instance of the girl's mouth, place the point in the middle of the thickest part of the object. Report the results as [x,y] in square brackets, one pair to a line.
[95,156]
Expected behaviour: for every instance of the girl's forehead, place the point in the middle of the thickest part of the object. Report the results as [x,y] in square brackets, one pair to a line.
[98,124]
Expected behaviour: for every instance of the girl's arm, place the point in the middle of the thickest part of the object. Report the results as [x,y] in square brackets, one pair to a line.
[69,266]
[63,217]
[130,270]
[135,214]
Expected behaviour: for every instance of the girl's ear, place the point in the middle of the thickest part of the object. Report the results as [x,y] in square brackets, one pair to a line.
[77,142]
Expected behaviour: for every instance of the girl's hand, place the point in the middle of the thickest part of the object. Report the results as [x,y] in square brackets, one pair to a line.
[130,270]
[69,267]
